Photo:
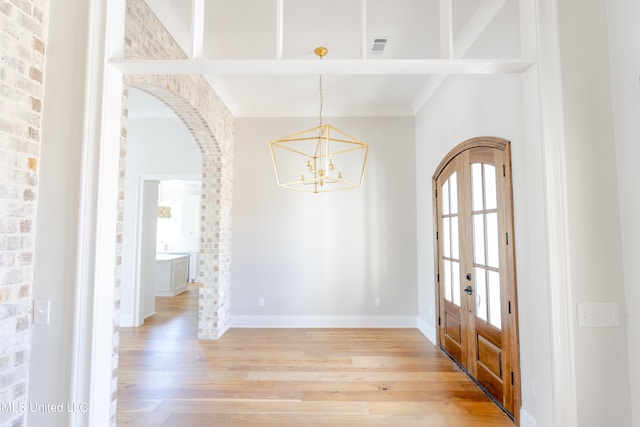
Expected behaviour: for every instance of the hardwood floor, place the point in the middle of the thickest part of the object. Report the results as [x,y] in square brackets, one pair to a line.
[289,377]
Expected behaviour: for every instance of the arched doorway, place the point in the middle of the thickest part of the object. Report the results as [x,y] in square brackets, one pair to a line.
[163,168]
[174,91]
[475,264]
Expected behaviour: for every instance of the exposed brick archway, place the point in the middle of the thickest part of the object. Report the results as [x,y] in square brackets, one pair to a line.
[212,128]
[216,192]
[211,123]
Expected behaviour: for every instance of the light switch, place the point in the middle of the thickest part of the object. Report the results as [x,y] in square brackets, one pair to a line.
[598,315]
[41,312]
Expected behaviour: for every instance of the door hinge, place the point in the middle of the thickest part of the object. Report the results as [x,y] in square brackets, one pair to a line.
[438,277]
[512,378]
[504,171]
[507,234]
[509,307]
[439,321]
[437,235]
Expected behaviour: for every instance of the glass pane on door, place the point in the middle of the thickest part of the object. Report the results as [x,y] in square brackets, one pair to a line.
[448,293]
[486,239]
[476,187]
[478,239]
[455,243]
[450,240]
[495,315]
[455,283]
[490,199]
[446,237]
[492,249]
[453,188]
[481,293]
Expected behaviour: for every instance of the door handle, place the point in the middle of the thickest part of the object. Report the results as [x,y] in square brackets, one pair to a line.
[468,290]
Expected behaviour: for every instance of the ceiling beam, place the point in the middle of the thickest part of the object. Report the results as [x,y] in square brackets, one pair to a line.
[478,22]
[279,29]
[335,67]
[446,29]
[426,91]
[472,30]
[197,29]
[363,11]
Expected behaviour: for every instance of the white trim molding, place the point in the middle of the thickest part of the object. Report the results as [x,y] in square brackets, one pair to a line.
[559,283]
[526,419]
[94,319]
[324,322]
[428,331]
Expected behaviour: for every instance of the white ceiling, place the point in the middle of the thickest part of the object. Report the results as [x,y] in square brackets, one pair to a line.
[258,54]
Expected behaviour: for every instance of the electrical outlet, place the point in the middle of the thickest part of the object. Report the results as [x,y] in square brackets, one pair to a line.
[598,315]
[261,302]
[376,302]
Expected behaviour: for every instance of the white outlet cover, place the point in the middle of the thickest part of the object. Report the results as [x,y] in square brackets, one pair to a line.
[41,312]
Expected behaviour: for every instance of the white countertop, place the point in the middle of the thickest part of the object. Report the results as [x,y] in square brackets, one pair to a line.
[169,257]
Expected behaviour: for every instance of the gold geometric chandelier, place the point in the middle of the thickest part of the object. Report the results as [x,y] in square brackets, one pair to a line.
[320,159]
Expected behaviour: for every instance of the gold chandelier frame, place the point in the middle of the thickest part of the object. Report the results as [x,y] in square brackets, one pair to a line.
[320,159]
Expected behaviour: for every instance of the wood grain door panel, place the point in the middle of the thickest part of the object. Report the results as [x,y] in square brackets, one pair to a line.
[475,262]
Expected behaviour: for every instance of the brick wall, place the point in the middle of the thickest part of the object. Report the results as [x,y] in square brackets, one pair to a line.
[23,31]
[211,124]
[23,40]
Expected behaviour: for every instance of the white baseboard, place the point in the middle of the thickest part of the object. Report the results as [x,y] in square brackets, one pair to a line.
[526,419]
[427,330]
[126,321]
[323,322]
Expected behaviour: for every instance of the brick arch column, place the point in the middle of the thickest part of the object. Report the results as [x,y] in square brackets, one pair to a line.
[211,125]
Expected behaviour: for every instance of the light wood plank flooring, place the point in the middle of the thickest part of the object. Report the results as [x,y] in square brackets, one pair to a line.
[289,377]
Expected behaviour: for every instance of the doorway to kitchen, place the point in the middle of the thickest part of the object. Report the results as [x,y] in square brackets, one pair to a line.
[161,215]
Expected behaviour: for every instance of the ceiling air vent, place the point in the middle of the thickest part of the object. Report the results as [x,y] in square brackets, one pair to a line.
[378,45]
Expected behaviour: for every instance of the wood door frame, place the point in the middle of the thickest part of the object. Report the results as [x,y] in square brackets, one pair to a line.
[511,333]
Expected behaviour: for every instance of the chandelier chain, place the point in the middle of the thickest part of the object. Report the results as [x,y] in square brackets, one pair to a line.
[321,100]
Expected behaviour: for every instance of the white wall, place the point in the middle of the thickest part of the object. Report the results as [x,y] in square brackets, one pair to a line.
[147,261]
[156,146]
[329,254]
[595,248]
[57,248]
[466,107]
[601,189]
[624,33]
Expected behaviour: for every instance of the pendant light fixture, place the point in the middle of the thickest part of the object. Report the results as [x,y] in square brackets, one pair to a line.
[320,159]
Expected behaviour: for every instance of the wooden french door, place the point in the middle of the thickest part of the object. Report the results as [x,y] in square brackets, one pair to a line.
[475,266]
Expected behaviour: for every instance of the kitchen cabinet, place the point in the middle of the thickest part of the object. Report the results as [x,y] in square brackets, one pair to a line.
[171,274]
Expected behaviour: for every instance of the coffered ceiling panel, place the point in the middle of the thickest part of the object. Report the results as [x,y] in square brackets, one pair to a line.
[335,24]
[258,54]
[240,29]
[412,26]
